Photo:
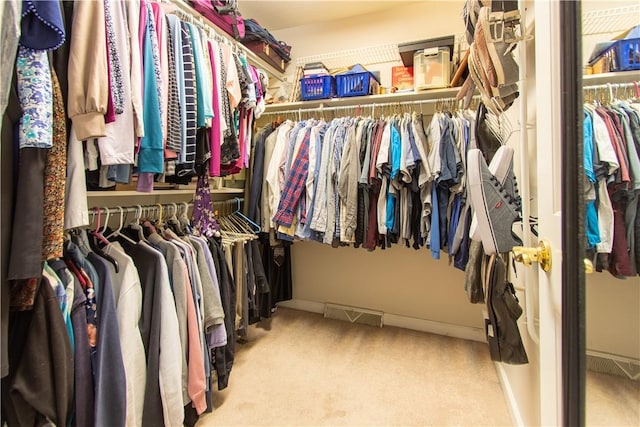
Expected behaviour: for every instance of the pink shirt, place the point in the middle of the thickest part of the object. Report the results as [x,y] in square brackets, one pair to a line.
[196,383]
[215,133]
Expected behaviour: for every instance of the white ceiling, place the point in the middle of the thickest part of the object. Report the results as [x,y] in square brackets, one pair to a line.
[277,15]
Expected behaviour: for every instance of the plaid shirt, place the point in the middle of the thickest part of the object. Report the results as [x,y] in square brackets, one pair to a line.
[294,186]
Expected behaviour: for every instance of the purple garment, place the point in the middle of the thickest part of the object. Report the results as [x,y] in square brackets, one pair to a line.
[110,115]
[204,218]
[145,182]
[42,27]
[215,132]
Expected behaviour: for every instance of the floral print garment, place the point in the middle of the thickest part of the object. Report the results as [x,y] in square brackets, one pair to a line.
[36,98]
[55,180]
[204,218]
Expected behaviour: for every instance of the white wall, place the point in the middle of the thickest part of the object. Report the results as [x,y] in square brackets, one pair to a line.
[417,21]
[613,315]
[397,280]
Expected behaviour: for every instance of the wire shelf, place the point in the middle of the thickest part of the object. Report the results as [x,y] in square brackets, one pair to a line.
[364,56]
[610,20]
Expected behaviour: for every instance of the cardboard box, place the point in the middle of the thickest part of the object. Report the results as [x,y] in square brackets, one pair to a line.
[402,78]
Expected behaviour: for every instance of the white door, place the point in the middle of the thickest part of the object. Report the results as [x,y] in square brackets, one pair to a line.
[548,181]
[534,391]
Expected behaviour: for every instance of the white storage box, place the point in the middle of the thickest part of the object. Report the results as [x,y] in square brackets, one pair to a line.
[431,68]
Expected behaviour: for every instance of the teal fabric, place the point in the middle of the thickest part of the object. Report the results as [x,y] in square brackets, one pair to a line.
[151,155]
[203,89]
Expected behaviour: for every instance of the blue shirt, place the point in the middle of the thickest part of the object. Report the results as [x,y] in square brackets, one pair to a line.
[434,242]
[588,147]
[151,155]
[203,90]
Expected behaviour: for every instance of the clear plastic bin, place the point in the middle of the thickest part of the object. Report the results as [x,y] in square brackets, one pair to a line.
[431,68]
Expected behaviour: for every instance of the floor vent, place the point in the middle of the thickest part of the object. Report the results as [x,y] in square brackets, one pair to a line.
[354,314]
[613,365]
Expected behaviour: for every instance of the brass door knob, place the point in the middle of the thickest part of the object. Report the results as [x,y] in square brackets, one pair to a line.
[540,254]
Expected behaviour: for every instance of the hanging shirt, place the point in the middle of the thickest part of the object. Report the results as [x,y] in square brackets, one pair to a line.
[174,109]
[274,177]
[178,280]
[151,154]
[434,136]
[293,187]
[348,184]
[117,146]
[319,219]
[215,136]
[316,137]
[265,209]
[61,294]
[127,293]
[110,376]
[159,329]
[203,87]
[188,152]
[175,34]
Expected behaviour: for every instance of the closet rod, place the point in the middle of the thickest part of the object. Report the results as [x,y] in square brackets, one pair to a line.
[135,208]
[138,209]
[633,84]
[374,105]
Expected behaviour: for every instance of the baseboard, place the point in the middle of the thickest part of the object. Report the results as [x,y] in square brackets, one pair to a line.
[512,402]
[304,305]
[423,325]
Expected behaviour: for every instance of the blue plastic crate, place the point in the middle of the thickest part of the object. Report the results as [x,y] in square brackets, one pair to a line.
[317,87]
[628,54]
[356,84]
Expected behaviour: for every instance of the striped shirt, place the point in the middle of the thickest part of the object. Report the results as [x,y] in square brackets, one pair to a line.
[188,154]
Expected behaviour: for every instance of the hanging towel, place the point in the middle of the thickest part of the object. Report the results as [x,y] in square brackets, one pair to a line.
[42,25]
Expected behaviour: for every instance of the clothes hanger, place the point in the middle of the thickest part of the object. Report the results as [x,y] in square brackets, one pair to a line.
[172,222]
[148,225]
[160,220]
[135,225]
[228,219]
[117,233]
[184,218]
[99,237]
[242,225]
[256,227]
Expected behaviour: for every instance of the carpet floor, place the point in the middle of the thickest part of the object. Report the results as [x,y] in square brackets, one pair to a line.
[612,400]
[302,369]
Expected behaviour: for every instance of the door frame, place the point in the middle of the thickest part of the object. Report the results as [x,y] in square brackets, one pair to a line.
[573,217]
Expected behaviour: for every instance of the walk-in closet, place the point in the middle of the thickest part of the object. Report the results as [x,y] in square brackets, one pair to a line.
[305,213]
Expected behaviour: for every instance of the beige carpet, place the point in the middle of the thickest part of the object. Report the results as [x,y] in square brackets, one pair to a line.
[612,400]
[307,370]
